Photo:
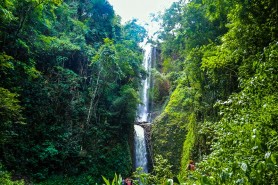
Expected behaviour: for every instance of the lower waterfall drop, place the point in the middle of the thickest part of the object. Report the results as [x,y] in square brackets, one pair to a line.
[140,148]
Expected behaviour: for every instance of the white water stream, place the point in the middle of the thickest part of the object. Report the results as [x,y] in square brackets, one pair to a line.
[143,114]
[141,159]
[143,109]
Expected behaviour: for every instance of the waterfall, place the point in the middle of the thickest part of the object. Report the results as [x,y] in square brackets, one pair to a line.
[143,114]
[143,109]
[140,148]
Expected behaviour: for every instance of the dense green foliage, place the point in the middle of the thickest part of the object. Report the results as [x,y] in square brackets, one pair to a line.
[5,178]
[69,79]
[69,73]
[221,60]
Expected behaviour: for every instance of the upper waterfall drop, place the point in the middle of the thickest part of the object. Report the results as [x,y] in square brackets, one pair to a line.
[143,109]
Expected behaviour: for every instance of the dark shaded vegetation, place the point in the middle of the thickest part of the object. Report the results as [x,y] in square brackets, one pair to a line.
[69,73]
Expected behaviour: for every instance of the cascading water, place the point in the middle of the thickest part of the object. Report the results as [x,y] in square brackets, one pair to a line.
[141,156]
[140,148]
[143,109]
